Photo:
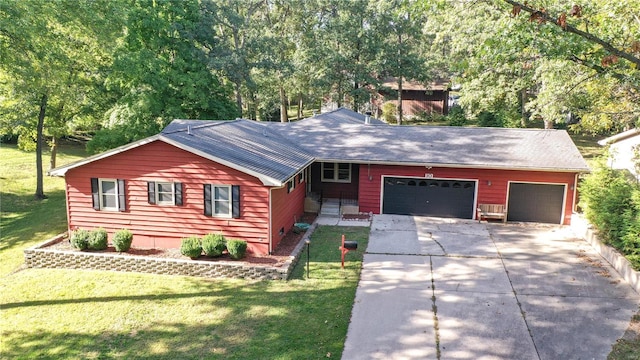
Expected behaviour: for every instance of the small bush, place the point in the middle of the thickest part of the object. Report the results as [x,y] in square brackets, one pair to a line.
[489,119]
[80,239]
[237,248]
[456,117]
[191,247]
[389,111]
[122,240]
[98,239]
[214,244]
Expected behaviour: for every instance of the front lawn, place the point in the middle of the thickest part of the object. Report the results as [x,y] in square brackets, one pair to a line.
[26,221]
[78,314]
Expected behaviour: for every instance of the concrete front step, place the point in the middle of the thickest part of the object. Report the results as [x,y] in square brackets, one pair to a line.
[330,209]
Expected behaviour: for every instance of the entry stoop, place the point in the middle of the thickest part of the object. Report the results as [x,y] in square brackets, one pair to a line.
[330,208]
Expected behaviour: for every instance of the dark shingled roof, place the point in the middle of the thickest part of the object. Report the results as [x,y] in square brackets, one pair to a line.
[275,152]
[335,136]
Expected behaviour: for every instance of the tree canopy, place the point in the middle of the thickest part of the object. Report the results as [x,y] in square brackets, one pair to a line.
[120,70]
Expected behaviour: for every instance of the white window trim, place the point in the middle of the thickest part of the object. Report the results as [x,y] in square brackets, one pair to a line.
[101,194]
[213,201]
[173,193]
[335,173]
[291,184]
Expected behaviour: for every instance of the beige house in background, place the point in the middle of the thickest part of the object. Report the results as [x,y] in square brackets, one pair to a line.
[622,150]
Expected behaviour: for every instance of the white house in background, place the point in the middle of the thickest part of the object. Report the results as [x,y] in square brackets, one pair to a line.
[622,150]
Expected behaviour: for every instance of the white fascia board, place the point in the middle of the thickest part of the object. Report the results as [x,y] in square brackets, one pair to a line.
[460,166]
[266,180]
[62,170]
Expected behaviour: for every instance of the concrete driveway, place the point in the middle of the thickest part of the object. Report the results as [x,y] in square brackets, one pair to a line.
[456,289]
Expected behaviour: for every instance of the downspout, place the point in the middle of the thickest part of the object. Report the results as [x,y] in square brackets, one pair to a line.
[271,216]
[575,193]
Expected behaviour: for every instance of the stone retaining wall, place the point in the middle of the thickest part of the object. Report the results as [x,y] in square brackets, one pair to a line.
[40,257]
[585,230]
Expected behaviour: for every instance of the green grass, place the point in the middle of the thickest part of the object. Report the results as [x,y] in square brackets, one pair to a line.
[77,314]
[588,146]
[25,220]
[69,314]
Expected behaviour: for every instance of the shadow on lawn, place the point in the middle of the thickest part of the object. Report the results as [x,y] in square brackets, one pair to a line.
[25,218]
[258,320]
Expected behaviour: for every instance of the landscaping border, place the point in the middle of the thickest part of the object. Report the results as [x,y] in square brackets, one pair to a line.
[585,230]
[39,256]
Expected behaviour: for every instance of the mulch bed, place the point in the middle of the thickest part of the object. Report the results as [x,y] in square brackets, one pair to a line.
[278,258]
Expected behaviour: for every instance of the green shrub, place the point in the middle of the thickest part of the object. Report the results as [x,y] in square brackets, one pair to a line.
[456,117]
[214,244]
[489,119]
[237,248]
[122,240]
[191,247]
[80,239]
[389,111]
[98,239]
[607,203]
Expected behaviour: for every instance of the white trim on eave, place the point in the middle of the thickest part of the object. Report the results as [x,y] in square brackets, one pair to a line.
[460,166]
[62,170]
[266,180]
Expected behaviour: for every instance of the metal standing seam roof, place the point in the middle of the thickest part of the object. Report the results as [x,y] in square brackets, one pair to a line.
[246,145]
[275,152]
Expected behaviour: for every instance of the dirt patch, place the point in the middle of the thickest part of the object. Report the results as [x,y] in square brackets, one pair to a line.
[280,255]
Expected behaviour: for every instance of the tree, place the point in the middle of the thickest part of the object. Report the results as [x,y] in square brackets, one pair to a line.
[400,24]
[50,52]
[161,73]
[609,53]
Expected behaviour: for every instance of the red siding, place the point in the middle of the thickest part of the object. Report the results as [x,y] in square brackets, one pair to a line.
[163,226]
[286,209]
[496,193]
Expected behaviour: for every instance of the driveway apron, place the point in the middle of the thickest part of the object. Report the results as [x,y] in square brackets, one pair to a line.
[436,288]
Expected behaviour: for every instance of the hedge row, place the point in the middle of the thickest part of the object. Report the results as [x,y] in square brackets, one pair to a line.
[610,200]
[213,245]
[97,239]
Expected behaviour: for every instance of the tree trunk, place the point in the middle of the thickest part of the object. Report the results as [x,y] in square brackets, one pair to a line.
[283,105]
[299,106]
[39,195]
[399,100]
[523,112]
[54,152]
[239,97]
[252,108]
[548,124]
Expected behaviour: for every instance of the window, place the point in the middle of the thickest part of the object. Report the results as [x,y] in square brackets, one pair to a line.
[222,200]
[108,194]
[164,193]
[291,185]
[336,172]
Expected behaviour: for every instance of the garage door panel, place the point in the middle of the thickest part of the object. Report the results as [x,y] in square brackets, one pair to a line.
[536,202]
[429,197]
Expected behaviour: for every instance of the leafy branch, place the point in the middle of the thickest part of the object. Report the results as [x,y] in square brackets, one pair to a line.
[541,16]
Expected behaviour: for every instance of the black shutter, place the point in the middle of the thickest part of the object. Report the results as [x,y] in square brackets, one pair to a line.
[178,191]
[95,193]
[151,191]
[235,198]
[122,199]
[207,200]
